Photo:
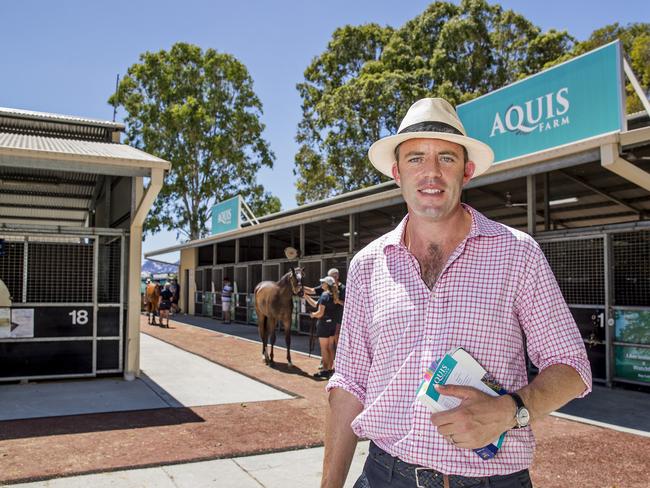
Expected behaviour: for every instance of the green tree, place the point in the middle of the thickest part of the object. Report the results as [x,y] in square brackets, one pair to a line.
[196,109]
[635,39]
[358,89]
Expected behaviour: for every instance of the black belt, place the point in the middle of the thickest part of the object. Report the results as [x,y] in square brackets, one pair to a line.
[429,477]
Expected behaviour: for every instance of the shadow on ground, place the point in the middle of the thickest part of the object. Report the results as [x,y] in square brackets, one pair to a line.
[98,422]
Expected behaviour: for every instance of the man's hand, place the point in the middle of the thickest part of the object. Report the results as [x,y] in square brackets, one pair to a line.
[478,420]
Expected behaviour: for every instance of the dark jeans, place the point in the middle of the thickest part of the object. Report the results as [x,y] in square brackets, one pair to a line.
[385,471]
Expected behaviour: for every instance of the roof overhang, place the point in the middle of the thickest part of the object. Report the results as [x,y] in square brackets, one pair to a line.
[55,181]
[50,153]
[559,158]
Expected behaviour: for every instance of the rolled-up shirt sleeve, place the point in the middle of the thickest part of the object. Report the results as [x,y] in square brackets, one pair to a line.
[552,335]
[353,354]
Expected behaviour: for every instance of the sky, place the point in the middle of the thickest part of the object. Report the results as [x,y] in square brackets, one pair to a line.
[63,56]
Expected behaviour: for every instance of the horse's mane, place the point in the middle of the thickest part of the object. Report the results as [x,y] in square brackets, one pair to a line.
[285,278]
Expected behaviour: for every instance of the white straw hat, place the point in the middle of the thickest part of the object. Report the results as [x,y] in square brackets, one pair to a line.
[430,118]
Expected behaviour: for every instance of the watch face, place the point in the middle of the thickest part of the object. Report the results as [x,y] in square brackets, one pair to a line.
[523,417]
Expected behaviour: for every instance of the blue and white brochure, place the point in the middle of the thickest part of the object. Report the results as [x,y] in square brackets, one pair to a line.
[458,367]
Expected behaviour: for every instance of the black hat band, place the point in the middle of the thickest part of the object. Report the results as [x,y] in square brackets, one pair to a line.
[431,127]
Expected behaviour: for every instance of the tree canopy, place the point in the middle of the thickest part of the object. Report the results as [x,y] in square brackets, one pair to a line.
[358,89]
[635,39]
[198,110]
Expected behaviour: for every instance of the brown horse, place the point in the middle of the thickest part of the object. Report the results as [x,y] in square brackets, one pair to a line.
[273,303]
[152,301]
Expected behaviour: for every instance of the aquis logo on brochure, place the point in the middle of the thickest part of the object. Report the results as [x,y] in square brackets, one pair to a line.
[544,113]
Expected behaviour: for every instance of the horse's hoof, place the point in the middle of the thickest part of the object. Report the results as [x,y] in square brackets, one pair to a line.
[289,364]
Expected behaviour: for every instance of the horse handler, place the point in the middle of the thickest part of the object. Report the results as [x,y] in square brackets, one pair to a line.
[326,313]
[165,304]
[446,277]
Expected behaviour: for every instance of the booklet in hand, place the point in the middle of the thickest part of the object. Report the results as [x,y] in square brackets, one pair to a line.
[458,367]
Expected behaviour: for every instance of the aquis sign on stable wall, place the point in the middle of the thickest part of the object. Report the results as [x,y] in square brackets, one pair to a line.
[573,101]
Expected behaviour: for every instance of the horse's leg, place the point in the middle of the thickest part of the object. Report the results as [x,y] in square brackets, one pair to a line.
[262,321]
[274,323]
[286,322]
[287,339]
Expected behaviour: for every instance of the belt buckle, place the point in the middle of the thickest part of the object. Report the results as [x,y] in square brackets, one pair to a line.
[417,475]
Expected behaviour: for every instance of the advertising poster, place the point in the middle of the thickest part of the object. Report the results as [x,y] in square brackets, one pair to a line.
[5,322]
[633,363]
[22,322]
[632,326]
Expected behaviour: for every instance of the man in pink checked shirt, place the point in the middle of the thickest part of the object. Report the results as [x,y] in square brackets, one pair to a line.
[446,277]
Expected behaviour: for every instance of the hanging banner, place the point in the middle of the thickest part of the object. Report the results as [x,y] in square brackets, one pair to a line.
[226,215]
[570,102]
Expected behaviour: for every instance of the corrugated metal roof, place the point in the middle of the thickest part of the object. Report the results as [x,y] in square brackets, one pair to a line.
[24,200]
[42,213]
[29,114]
[66,147]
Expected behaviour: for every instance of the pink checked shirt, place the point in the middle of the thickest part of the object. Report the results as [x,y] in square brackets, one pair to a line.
[496,288]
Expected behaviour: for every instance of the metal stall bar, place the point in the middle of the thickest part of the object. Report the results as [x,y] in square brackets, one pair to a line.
[608,269]
[95,308]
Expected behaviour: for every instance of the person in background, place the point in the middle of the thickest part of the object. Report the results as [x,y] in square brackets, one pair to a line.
[176,293]
[226,299]
[339,301]
[338,296]
[326,325]
[165,304]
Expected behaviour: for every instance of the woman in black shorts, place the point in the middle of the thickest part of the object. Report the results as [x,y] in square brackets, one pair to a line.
[165,304]
[325,312]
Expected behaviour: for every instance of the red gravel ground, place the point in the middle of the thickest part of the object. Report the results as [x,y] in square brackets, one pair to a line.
[569,454]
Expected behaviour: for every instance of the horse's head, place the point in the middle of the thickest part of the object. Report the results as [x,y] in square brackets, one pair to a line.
[297,286]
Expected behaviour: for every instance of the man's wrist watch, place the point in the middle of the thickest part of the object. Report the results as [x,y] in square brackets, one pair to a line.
[522,415]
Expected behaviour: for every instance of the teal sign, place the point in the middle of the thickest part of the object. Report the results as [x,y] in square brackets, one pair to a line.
[573,101]
[633,363]
[632,326]
[225,216]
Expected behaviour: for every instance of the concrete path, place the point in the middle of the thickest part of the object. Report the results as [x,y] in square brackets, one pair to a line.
[171,378]
[617,408]
[289,469]
[188,380]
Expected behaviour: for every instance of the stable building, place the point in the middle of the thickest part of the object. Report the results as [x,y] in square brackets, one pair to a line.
[577,178]
[72,206]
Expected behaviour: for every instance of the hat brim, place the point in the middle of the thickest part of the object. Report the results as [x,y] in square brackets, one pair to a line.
[382,152]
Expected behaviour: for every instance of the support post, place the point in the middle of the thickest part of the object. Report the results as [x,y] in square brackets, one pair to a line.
[302,239]
[265,247]
[531,199]
[142,202]
[547,207]
[352,230]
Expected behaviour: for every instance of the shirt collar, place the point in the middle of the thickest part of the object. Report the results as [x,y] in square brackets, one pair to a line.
[481,226]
